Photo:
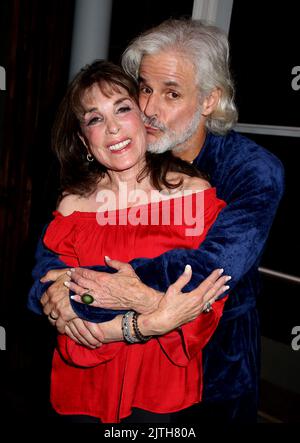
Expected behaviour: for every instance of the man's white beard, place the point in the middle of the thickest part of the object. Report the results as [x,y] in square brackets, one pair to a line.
[172,140]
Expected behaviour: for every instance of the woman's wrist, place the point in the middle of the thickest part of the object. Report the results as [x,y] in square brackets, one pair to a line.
[151,324]
[112,330]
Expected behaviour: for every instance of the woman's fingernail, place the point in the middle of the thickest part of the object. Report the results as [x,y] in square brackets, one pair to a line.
[72,269]
[187,269]
[228,278]
[107,258]
[67,284]
[225,288]
[69,273]
[72,297]
[221,271]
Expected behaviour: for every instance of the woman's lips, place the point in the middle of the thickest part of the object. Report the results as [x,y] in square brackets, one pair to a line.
[119,146]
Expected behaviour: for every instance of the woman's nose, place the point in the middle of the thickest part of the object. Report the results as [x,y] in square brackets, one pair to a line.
[112,127]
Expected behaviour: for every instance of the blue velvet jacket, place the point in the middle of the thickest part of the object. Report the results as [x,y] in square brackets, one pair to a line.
[251,180]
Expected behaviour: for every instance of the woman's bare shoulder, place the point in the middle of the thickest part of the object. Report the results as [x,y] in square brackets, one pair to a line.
[189,183]
[71,203]
[195,184]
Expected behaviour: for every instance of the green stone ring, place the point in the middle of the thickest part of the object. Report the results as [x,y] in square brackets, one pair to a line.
[87,298]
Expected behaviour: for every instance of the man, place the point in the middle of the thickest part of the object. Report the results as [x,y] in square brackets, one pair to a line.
[186,95]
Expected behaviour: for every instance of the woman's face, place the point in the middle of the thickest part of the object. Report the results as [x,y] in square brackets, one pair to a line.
[112,128]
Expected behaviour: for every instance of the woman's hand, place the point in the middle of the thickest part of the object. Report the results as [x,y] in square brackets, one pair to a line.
[93,335]
[177,308]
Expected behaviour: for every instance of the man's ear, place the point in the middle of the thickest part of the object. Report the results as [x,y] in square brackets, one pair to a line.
[211,102]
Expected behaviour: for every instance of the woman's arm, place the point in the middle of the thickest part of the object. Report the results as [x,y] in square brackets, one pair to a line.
[174,310]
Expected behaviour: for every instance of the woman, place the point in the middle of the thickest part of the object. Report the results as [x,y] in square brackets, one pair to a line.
[147,361]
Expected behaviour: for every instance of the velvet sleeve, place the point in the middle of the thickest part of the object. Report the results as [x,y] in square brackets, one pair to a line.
[46,260]
[234,242]
[237,238]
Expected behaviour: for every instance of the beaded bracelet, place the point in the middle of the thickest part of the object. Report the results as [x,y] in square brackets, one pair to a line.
[128,337]
[138,334]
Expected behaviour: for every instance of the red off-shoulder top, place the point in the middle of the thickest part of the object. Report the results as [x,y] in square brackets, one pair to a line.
[163,375]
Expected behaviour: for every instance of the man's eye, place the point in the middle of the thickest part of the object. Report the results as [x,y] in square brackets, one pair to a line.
[145,90]
[173,95]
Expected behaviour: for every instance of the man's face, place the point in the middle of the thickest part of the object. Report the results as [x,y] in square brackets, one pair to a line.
[169,99]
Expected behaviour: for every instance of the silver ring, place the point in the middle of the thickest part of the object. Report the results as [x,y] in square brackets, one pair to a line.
[207,307]
[51,316]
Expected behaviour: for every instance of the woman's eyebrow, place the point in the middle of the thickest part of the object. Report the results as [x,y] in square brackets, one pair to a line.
[89,111]
[121,99]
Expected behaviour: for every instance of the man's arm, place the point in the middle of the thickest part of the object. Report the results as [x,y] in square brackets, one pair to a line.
[45,261]
[235,242]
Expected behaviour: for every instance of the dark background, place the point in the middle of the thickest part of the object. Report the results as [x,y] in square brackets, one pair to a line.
[35,51]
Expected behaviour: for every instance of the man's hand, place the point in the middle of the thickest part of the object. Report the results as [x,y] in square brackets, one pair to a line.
[53,275]
[122,290]
[56,304]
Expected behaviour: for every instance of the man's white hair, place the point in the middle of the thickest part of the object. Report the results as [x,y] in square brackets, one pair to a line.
[207,48]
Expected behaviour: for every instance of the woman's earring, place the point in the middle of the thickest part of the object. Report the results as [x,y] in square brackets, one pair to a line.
[90,158]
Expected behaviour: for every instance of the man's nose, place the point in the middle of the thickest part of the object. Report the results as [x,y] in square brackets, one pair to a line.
[150,105]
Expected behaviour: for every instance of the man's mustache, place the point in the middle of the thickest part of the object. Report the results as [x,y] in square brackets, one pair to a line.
[154,123]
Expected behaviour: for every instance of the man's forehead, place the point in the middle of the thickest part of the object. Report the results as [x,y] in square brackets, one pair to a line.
[164,81]
[167,68]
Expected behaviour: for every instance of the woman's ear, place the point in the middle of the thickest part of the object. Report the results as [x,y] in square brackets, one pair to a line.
[211,102]
[83,140]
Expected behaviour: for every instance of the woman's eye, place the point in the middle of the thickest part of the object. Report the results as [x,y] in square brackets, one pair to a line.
[124,109]
[93,121]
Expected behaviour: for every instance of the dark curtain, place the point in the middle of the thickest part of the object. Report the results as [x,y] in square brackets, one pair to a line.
[35,50]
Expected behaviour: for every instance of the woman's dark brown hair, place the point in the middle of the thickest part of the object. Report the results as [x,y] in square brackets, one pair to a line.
[80,177]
